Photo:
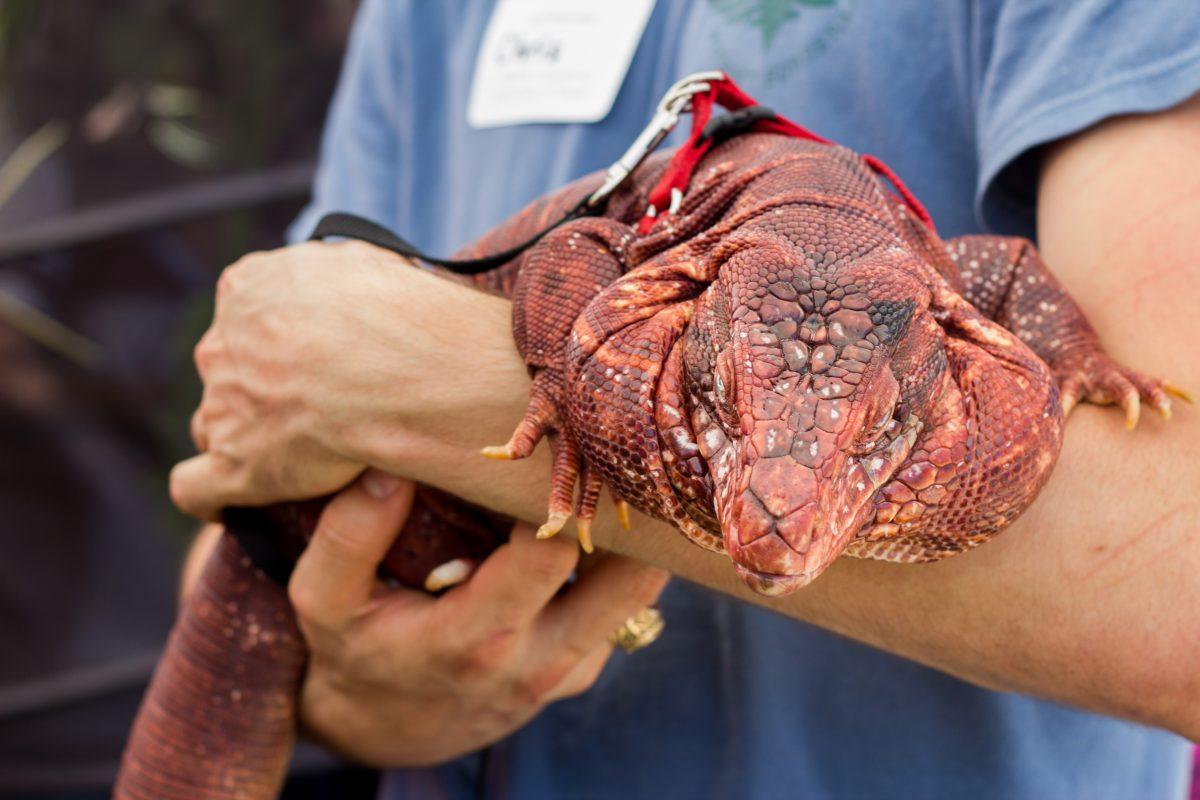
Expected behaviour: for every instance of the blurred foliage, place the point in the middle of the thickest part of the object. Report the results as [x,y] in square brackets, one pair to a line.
[15,20]
[204,84]
[102,100]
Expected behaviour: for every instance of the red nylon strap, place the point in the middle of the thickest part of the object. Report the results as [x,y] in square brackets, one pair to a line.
[906,195]
[726,93]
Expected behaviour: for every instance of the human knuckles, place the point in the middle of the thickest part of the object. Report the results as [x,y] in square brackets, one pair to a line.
[477,661]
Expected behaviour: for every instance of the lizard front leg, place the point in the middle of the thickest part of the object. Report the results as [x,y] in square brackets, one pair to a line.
[976,437]
[1006,279]
[987,442]
[621,353]
[559,276]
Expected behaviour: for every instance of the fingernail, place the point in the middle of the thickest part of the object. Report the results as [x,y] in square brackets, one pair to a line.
[380,485]
[449,574]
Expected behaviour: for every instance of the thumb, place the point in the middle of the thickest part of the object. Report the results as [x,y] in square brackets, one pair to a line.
[335,576]
[204,484]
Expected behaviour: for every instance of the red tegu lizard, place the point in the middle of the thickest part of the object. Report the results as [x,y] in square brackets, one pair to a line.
[790,367]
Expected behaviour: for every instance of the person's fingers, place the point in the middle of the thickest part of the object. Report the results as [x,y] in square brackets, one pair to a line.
[199,435]
[335,575]
[583,676]
[601,599]
[513,584]
[202,485]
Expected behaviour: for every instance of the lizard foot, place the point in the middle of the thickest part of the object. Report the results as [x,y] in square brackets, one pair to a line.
[570,468]
[590,485]
[564,473]
[1098,379]
[540,420]
[585,509]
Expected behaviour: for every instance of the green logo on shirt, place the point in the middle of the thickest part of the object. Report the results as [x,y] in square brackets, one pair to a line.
[766,15]
[806,37]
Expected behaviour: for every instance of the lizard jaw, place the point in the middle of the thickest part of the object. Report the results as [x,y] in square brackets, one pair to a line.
[769,584]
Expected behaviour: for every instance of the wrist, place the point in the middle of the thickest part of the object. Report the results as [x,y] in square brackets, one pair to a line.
[449,378]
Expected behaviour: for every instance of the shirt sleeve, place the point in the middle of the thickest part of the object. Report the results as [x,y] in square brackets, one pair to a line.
[365,127]
[1053,68]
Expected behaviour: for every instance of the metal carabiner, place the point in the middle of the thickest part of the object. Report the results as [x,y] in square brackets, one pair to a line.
[673,104]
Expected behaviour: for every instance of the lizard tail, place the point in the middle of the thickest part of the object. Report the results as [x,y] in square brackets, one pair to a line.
[220,715]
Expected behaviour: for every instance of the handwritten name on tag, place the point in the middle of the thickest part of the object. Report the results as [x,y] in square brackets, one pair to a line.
[554,60]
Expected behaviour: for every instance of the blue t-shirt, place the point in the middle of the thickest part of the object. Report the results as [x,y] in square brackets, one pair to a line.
[956,96]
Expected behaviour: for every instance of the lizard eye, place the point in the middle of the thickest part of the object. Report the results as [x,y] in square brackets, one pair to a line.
[869,438]
[880,424]
[723,386]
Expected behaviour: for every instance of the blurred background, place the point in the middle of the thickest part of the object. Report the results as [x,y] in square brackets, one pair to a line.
[144,145]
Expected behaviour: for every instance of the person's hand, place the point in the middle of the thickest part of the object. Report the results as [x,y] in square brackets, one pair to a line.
[303,364]
[400,678]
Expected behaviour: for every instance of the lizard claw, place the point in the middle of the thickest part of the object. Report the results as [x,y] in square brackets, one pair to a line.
[1178,391]
[623,515]
[539,421]
[1100,380]
[1131,404]
[583,530]
[590,485]
[1163,408]
[564,472]
[553,525]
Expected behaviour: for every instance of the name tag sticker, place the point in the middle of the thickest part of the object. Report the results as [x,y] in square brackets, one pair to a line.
[554,60]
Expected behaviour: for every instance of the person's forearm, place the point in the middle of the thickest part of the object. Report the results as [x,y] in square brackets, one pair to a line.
[1089,598]
[1068,603]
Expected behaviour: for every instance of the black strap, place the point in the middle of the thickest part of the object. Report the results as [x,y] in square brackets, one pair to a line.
[245,523]
[352,226]
[723,127]
[248,524]
[250,527]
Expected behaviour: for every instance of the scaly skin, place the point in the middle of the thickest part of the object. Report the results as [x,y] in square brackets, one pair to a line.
[219,717]
[793,367]
[790,368]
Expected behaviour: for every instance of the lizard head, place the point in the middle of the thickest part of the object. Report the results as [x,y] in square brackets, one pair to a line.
[809,375]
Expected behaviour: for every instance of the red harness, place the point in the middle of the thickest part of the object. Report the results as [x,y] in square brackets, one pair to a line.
[699,93]
[729,95]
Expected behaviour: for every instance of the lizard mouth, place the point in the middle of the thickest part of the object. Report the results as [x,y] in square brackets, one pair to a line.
[771,584]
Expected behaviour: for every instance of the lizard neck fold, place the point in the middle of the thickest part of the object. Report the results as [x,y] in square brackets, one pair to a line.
[690,504]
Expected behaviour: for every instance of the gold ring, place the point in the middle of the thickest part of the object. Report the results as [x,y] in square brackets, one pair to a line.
[639,631]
